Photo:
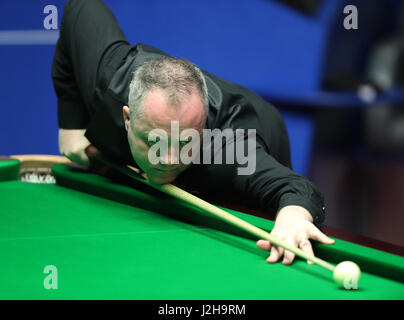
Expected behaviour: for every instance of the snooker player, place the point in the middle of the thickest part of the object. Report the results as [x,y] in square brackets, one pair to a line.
[111,95]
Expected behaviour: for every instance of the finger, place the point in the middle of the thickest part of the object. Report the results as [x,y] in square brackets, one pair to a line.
[306,247]
[316,234]
[276,254]
[289,256]
[264,245]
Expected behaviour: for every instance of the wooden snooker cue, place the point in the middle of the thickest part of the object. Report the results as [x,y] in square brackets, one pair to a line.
[178,193]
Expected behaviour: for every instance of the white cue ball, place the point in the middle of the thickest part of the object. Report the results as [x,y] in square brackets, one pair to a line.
[347,274]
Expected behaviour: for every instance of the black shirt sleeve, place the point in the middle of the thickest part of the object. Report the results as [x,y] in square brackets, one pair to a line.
[270,187]
[274,186]
[72,113]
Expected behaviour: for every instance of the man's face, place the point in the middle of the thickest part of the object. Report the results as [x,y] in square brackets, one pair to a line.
[159,115]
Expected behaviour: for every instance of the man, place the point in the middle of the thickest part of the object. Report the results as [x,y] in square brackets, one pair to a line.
[112,96]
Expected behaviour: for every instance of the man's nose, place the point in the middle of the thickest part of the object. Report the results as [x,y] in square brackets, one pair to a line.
[171,157]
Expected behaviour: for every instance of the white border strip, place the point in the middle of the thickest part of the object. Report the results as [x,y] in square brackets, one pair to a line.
[28,37]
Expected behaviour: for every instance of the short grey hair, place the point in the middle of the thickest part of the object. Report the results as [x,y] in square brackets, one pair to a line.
[176,77]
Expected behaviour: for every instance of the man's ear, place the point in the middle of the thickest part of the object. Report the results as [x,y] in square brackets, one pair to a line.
[126,117]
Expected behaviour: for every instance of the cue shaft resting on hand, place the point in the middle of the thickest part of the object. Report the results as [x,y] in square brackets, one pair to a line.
[240,223]
[176,192]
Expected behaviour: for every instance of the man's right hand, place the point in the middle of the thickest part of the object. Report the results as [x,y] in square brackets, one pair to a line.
[72,144]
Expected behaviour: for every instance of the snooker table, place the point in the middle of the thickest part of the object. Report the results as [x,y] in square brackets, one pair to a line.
[113,239]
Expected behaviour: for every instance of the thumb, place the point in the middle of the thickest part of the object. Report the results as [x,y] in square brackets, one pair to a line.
[264,245]
[316,234]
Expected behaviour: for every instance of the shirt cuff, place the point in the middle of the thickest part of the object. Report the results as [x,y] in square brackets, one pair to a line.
[315,207]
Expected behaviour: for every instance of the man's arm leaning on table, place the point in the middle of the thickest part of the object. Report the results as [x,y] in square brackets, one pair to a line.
[72,113]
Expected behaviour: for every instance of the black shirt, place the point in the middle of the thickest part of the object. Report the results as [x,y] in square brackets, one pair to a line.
[92,84]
